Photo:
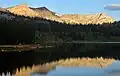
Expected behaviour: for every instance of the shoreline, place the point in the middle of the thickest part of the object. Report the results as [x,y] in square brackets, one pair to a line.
[20,47]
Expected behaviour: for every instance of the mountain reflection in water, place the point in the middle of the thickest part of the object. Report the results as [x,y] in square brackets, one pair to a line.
[9,61]
[84,71]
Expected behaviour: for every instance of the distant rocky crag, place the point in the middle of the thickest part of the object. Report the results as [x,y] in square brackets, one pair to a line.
[43,12]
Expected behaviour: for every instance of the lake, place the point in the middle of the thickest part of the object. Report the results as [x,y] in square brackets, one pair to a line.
[12,60]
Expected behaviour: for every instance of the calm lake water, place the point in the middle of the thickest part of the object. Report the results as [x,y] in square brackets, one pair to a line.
[9,61]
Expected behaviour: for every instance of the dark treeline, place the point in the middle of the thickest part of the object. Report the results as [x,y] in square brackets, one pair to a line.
[24,29]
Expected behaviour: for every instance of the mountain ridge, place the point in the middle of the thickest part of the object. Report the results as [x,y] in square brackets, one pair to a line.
[44,12]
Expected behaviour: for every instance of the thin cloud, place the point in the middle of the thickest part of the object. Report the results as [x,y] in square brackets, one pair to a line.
[112,7]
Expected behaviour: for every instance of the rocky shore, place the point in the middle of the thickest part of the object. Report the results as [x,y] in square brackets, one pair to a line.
[69,62]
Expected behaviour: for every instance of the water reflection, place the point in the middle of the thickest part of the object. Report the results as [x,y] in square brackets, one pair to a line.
[81,71]
[78,71]
[112,70]
[12,60]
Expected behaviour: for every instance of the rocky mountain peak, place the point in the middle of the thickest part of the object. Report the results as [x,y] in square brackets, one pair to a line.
[22,9]
[19,6]
[44,12]
[98,18]
[43,8]
[22,5]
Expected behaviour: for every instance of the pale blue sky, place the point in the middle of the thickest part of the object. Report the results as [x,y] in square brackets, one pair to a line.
[69,6]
